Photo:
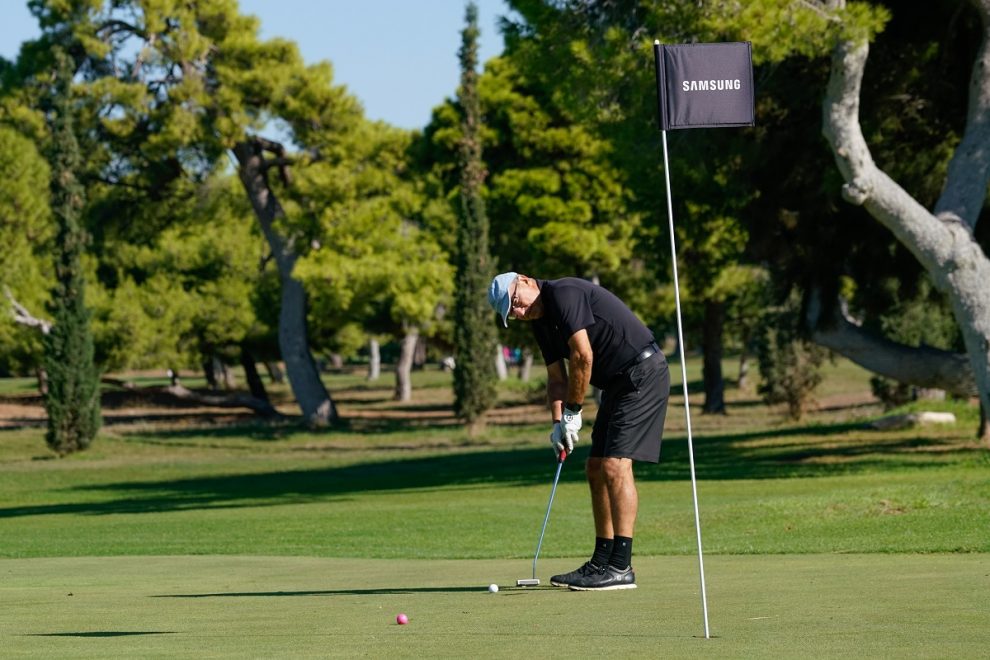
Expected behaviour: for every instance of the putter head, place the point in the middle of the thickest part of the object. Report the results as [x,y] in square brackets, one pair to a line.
[535,582]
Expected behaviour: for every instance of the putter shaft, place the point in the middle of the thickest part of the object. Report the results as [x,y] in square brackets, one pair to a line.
[546,518]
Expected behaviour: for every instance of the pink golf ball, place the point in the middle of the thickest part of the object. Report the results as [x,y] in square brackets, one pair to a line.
[402,619]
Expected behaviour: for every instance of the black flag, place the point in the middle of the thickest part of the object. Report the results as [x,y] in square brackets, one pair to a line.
[704,85]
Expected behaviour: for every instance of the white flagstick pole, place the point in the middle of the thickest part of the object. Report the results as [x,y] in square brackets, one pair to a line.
[687,406]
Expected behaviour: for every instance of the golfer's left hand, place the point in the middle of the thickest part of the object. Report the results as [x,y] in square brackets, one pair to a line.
[570,423]
[558,441]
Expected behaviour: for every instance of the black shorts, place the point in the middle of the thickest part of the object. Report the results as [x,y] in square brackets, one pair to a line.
[629,423]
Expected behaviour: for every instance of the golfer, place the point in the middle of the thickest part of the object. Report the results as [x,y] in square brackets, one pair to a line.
[608,347]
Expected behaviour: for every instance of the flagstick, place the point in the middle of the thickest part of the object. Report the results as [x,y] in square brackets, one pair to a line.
[687,407]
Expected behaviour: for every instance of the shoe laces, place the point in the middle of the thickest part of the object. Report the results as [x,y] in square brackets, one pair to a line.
[589,568]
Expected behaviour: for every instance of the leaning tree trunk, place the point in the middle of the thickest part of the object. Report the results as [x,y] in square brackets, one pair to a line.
[501,369]
[942,240]
[374,359]
[743,381]
[403,370]
[255,384]
[526,364]
[218,375]
[317,407]
[42,380]
[274,372]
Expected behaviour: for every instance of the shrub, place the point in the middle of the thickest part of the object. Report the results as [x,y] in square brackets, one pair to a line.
[790,365]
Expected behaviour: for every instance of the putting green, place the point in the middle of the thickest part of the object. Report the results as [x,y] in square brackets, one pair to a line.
[759,606]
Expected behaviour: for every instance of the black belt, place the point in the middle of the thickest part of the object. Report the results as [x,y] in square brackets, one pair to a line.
[645,354]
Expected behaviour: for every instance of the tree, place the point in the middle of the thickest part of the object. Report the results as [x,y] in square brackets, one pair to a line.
[374,267]
[73,397]
[317,406]
[593,53]
[943,239]
[26,232]
[173,91]
[798,223]
[556,205]
[594,59]
[185,295]
[914,121]
[474,329]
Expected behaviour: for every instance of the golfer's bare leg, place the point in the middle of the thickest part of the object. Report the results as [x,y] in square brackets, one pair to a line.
[621,495]
[601,506]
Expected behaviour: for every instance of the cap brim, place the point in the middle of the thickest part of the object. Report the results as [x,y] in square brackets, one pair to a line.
[505,314]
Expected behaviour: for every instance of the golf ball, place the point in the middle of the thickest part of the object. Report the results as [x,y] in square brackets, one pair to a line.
[493,588]
[402,619]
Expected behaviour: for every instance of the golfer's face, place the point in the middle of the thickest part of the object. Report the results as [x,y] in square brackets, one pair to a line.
[524,303]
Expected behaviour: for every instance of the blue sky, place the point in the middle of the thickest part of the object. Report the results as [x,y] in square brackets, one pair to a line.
[398,56]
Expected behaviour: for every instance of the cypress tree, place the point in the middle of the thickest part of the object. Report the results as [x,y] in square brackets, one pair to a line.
[474,325]
[73,397]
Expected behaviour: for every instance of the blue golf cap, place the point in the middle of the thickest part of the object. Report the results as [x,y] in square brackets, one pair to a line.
[498,295]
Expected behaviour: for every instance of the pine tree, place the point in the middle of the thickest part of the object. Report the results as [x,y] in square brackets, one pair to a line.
[474,326]
[73,397]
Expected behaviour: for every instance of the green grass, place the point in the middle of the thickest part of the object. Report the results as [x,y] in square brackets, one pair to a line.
[18,386]
[242,536]
[765,486]
[800,606]
[331,502]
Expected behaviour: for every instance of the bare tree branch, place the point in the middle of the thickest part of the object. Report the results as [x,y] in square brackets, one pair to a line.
[922,366]
[280,159]
[821,10]
[280,163]
[259,406]
[866,184]
[944,244]
[115,26]
[21,314]
[139,60]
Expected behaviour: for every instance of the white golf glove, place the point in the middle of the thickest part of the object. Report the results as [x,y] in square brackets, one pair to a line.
[570,423]
[558,440]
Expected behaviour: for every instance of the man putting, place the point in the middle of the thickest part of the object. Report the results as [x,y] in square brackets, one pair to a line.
[608,347]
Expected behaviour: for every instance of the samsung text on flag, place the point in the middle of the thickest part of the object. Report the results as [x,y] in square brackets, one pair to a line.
[710,85]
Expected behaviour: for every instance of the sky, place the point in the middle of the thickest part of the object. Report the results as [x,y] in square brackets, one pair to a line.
[399,57]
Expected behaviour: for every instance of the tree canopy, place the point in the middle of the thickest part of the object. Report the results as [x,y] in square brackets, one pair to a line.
[237,197]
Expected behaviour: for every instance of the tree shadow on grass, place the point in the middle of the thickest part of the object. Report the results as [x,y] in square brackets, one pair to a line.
[456,469]
[384,591]
[260,430]
[791,453]
[795,452]
[103,633]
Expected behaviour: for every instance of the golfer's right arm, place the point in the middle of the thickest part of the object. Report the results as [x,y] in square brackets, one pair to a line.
[556,389]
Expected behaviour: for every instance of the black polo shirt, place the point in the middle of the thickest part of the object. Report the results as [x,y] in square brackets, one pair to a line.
[571,304]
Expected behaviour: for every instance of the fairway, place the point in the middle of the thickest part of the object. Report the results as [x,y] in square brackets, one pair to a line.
[172,539]
[770,606]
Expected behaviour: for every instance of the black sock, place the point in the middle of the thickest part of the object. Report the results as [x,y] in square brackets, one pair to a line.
[603,550]
[621,553]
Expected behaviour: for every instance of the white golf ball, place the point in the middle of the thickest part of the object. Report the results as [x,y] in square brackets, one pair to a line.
[493,588]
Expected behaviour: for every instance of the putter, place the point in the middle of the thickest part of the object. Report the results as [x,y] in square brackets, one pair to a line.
[535,581]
